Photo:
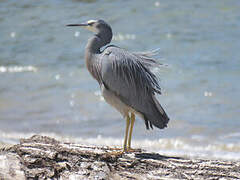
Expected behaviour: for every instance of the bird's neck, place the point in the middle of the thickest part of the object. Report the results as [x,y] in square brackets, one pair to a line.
[93,50]
[98,40]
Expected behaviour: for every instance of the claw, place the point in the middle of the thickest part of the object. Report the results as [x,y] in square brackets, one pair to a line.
[133,150]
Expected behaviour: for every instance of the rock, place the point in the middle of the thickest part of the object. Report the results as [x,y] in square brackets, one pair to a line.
[41,157]
[10,167]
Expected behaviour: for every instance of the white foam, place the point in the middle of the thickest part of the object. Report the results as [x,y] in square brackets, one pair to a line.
[168,147]
[231,135]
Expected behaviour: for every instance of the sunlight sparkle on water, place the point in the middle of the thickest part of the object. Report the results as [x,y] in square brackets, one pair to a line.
[122,37]
[71,103]
[208,94]
[157,3]
[17,69]
[57,77]
[77,33]
[13,34]
[99,94]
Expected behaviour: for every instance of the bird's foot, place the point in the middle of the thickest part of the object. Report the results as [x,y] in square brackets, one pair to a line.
[115,153]
[131,150]
[115,149]
[120,151]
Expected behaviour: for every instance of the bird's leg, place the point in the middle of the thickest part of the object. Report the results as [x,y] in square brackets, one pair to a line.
[126,133]
[131,129]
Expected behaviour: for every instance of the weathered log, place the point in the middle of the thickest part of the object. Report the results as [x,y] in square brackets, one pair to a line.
[41,157]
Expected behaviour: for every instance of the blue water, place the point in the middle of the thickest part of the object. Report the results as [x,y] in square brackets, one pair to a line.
[46,89]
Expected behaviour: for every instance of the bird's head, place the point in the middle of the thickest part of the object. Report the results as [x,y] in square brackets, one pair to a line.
[96,26]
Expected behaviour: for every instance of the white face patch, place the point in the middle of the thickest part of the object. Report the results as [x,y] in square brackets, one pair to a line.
[91,28]
[91,21]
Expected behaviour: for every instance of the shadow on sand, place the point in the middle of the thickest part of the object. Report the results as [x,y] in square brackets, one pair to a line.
[154,156]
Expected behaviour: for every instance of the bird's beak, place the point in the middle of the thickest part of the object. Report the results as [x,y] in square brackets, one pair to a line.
[82,24]
[85,25]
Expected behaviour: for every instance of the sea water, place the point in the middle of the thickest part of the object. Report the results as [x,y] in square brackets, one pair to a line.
[46,89]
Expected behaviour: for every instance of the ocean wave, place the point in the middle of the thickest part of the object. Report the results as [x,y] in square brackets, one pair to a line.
[169,147]
[231,135]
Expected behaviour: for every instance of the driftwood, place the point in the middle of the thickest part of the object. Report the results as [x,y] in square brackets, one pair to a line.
[41,157]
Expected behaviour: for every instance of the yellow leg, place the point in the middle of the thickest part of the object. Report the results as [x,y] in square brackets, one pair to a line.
[131,129]
[126,134]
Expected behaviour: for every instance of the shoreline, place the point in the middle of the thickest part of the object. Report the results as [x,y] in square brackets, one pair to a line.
[169,147]
[44,157]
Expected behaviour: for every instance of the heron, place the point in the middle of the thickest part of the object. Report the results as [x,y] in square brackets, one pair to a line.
[125,79]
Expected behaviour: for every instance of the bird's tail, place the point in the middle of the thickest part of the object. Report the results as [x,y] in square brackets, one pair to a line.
[158,117]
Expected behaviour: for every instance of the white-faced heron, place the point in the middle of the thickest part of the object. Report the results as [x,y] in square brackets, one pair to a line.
[125,79]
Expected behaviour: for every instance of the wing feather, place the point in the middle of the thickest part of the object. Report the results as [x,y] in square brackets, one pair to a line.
[126,76]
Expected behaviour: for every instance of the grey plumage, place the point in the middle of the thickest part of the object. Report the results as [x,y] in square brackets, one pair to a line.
[125,78]
[133,83]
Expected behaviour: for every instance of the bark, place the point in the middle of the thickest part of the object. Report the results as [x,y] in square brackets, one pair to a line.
[41,157]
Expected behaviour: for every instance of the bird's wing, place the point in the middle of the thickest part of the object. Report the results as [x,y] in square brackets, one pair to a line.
[147,58]
[127,77]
